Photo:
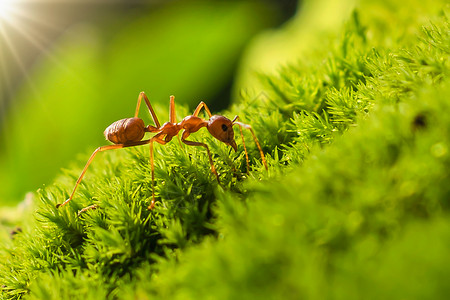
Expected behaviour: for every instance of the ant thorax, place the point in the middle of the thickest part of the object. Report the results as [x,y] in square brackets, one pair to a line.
[192,123]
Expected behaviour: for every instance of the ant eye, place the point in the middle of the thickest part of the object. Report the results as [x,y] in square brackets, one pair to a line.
[224,127]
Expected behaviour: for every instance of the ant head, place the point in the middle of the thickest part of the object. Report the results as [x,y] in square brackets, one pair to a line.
[221,128]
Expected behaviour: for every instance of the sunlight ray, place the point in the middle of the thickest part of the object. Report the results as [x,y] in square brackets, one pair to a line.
[17,60]
[19,20]
[16,21]
[21,13]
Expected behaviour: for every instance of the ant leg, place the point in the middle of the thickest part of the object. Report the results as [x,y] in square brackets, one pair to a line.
[152,167]
[192,143]
[245,149]
[83,210]
[173,116]
[99,149]
[150,108]
[152,204]
[243,143]
[172,113]
[199,107]
[247,126]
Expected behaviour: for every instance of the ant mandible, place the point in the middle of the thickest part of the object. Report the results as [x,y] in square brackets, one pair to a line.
[129,132]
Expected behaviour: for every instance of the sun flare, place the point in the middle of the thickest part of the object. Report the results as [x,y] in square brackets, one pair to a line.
[21,32]
[6,7]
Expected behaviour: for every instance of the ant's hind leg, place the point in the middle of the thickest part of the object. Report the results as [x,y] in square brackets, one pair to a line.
[150,108]
[99,149]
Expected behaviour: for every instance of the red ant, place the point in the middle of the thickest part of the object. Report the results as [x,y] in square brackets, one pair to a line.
[129,132]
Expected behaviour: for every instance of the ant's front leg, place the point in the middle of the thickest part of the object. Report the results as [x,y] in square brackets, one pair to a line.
[199,107]
[249,127]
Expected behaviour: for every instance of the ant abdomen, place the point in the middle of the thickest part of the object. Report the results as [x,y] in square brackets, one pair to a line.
[125,131]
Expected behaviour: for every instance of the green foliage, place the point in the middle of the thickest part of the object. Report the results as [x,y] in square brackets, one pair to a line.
[355,203]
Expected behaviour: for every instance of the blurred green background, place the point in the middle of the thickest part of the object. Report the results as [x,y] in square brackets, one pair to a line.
[70,68]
